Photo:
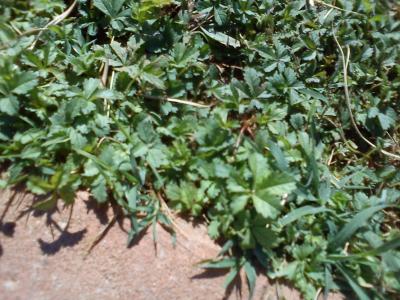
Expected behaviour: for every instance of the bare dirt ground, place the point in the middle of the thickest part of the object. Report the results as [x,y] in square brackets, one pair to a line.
[40,260]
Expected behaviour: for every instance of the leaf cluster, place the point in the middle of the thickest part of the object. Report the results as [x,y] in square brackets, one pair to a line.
[270,160]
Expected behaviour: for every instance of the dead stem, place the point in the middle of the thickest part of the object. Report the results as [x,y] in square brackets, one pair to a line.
[8,205]
[345,63]
[335,7]
[101,235]
[171,216]
[58,19]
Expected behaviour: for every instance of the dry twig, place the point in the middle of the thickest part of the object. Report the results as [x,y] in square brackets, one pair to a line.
[177,101]
[58,19]
[171,216]
[317,293]
[345,62]
[101,235]
[187,102]
[335,7]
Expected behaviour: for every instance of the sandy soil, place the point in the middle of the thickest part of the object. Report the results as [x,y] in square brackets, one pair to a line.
[40,260]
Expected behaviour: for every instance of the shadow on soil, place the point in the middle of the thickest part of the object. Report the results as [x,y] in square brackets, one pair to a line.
[8,228]
[100,210]
[66,239]
[63,238]
[234,287]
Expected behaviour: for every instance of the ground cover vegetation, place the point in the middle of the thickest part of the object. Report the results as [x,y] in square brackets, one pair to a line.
[275,122]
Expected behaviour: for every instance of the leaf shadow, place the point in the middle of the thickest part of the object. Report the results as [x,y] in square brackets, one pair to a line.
[136,240]
[235,286]
[66,239]
[100,210]
[8,228]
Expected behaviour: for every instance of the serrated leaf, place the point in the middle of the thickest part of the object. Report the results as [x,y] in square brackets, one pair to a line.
[132,197]
[259,167]
[238,203]
[268,206]
[279,156]
[9,105]
[67,193]
[213,229]
[99,190]
[156,157]
[277,184]
[23,83]
[265,236]
[386,121]
[109,7]
[45,205]
[153,80]
[222,38]
[220,16]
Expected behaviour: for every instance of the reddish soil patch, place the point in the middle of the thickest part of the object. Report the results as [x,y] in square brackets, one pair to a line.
[41,261]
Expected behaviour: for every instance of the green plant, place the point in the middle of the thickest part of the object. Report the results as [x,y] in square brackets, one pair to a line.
[246,112]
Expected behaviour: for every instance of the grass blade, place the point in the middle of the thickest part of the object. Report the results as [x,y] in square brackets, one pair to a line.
[301,212]
[361,294]
[220,264]
[390,245]
[351,227]
[230,277]
[251,278]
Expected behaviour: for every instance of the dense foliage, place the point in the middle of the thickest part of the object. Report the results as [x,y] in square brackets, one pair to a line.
[232,111]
